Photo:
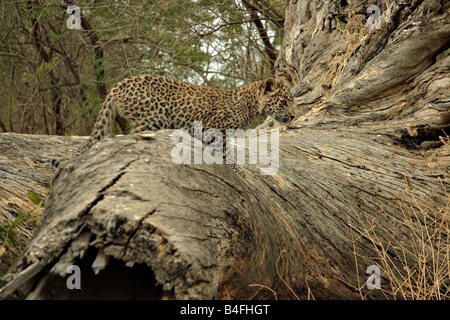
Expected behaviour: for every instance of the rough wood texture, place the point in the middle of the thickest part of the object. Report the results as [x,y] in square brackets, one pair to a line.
[202,233]
[24,168]
[364,168]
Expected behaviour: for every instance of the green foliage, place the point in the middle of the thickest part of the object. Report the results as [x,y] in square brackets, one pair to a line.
[7,234]
[443,54]
[45,67]
[49,73]
[260,120]
[7,230]
[34,197]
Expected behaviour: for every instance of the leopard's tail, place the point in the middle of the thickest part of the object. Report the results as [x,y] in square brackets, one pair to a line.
[103,122]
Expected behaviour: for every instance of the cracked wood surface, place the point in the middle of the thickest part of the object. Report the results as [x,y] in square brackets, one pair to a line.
[365,156]
[130,203]
[23,169]
[129,216]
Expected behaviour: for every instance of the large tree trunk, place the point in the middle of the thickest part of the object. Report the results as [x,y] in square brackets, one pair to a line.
[363,180]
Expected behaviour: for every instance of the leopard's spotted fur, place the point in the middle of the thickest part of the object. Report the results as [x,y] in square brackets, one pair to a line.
[156,102]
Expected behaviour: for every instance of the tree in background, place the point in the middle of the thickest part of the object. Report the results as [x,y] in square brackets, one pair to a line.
[53,78]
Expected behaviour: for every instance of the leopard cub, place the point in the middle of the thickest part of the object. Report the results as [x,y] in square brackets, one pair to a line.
[156,102]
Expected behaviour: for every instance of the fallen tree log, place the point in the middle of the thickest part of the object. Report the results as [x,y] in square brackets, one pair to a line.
[362,182]
[129,217]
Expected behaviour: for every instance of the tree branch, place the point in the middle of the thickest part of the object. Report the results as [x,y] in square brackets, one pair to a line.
[270,50]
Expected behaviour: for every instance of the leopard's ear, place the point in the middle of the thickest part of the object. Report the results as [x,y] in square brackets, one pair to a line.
[270,86]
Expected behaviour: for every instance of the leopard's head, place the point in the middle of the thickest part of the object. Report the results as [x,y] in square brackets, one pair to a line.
[276,100]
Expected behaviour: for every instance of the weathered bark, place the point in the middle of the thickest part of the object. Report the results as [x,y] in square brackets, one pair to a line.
[199,232]
[363,169]
[24,168]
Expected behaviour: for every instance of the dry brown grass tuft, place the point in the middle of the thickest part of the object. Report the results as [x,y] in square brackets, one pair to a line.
[417,268]
[353,35]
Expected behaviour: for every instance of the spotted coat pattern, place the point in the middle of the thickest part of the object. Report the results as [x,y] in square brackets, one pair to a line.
[156,102]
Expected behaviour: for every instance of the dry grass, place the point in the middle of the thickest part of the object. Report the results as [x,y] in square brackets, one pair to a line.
[353,35]
[414,269]
[310,296]
[417,268]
